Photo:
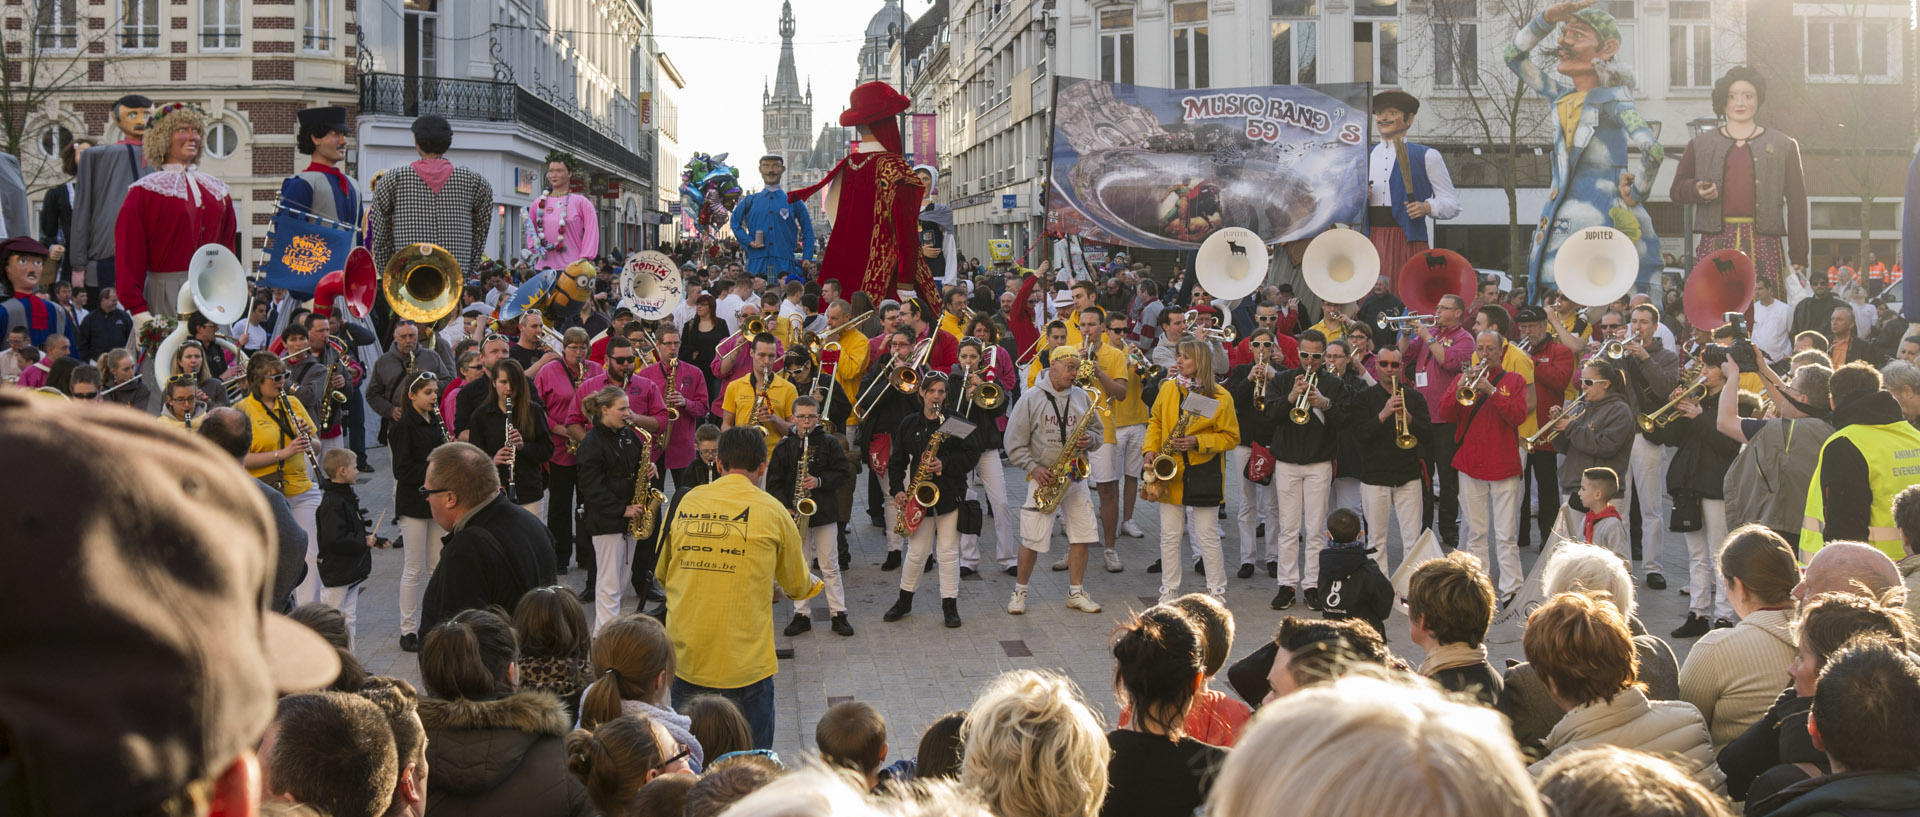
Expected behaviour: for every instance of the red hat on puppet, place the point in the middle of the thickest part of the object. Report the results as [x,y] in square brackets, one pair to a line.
[875,104]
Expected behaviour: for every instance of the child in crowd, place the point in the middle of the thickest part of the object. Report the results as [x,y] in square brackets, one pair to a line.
[663,796]
[554,638]
[1449,607]
[1603,525]
[717,722]
[853,735]
[345,546]
[1215,718]
[632,668]
[1351,582]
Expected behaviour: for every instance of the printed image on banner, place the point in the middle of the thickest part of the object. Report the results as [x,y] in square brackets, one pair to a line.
[1162,168]
[301,247]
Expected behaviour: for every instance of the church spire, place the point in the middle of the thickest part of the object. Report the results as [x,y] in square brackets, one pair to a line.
[786,83]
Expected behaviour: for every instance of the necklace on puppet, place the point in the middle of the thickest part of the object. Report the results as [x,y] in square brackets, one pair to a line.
[544,244]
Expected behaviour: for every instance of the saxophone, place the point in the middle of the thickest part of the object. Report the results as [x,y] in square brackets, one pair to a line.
[803,504]
[922,494]
[1164,468]
[760,395]
[644,494]
[332,402]
[1048,495]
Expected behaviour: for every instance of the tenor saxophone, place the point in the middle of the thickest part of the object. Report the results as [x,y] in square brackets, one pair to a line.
[803,504]
[922,495]
[644,494]
[1048,495]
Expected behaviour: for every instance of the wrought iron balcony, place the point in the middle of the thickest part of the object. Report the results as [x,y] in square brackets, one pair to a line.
[492,101]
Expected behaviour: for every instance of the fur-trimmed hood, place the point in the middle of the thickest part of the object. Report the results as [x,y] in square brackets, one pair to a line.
[500,757]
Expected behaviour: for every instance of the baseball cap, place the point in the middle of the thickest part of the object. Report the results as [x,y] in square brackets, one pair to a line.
[1530,314]
[137,653]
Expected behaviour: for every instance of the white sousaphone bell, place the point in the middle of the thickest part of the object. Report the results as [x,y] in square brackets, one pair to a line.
[652,286]
[1596,266]
[1340,266]
[216,287]
[1231,263]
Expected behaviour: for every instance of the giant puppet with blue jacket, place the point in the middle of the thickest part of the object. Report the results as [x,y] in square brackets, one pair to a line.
[1406,185]
[322,188]
[772,230]
[1595,122]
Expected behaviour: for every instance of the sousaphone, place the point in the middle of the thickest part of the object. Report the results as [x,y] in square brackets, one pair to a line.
[216,287]
[652,285]
[357,284]
[1434,274]
[422,284]
[1231,263]
[1722,282]
[1597,265]
[1340,266]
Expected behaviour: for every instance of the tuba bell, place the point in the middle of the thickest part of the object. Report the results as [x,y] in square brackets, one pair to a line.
[1340,266]
[1596,266]
[1434,274]
[216,287]
[1721,283]
[422,284]
[1231,263]
[356,283]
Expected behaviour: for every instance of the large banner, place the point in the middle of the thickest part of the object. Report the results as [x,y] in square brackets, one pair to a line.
[921,145]
[1160,168]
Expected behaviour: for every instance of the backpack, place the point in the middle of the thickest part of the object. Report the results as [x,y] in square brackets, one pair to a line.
[1351,584]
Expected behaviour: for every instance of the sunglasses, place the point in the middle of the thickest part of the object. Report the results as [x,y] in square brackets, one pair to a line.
[1587,382]
[625,359]
[1612,325]
[1386,364]
[182,378]
[1312,356]
[1260,344]
[277,378]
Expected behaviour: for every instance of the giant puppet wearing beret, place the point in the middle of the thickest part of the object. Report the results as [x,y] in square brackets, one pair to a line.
[875,202]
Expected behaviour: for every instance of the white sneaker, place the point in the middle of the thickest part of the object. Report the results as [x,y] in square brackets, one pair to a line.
[1075,601]
[1132,530]
[1018,604]
[1113,560]
[1061,564]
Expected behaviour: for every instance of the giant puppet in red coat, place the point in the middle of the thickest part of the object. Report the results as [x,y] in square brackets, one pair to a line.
[875,206]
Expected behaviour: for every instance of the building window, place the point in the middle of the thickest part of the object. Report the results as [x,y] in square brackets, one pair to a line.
[1294,33]
[1376,52]
[1456,42]
[222,140]
[219,24]
[1851,49]
[53,140]
[316,25]
[139,25]
[421,38]
[1690,45]
[56,28]
[1116,46]
[1190,45]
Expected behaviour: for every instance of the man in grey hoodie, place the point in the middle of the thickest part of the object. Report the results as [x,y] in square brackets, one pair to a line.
[1049,417]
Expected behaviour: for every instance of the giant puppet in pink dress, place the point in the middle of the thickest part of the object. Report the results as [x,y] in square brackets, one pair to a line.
[562,228]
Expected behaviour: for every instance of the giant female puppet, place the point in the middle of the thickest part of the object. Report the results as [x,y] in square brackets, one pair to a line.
[1594,122]
[562,228]
[167,215]
[875,202]
[1744,182]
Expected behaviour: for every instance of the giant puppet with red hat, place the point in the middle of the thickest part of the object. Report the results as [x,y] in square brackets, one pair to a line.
[875,197]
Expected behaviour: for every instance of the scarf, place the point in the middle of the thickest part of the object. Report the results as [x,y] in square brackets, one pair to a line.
[1448,656]
[435,172]
[339,179]
[1593,520]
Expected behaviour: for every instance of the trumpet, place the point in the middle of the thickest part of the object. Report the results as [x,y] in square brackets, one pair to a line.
[1469,390]
[1303,407]
[1224,334]
[1402,437]
[1548,430]
[1613,349]
[1695,388]
[1144,367]
[1260,377]
[1402,322]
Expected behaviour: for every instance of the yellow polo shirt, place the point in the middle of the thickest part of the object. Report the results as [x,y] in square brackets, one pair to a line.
[1114,363]
[739,402]
[727,541]
[267,438]
[853,361]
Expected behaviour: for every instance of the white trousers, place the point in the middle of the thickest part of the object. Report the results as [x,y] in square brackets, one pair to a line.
[347,601]
[538,508]
[1648,464]
[1174,521]
[421,555]
[613,567]
[1401,503]
[992,478]
[1347,494]
[1493,517]
[1706,588]
[823,544]
[304,506]
[890,514]
[1256,506]
[1300,495]
[940,534]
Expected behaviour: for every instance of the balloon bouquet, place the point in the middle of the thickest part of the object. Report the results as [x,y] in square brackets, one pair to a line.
[709,187]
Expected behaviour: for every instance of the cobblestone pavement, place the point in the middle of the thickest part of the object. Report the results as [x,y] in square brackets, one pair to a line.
[916,670]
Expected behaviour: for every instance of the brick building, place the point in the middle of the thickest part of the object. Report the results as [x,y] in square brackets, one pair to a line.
[250,65]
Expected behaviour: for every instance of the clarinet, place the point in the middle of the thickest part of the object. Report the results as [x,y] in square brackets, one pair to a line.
[512,455]
[300,427]
[440,422]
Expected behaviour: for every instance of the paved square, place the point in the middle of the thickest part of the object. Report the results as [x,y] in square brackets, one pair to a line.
[916,670]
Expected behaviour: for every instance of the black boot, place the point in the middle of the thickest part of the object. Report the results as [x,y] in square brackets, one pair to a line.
[846,555]
[800,624]
[951,609]
[901,608]
[892,562]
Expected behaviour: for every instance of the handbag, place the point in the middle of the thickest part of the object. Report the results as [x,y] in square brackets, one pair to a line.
[1688,514]
[1260,465]
[972,518]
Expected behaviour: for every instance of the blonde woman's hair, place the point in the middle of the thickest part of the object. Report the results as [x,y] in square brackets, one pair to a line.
[1577,567]
[1609,781]
[1202,354]
[1034,748]
[591,405]
[1359,747]
[810,791]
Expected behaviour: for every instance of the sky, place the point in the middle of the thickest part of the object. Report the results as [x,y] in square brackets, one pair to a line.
[728,51]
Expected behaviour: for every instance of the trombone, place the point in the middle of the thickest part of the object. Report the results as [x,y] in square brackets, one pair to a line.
[1549,430]
[1614,350]
[907,378]
[1403,322]
[1402,437]
[988,395]
[1695,388]
[1469,390]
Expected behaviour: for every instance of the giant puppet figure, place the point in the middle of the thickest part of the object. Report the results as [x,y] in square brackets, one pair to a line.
[1594,122]
[168,215]
[875,202]
[1744,182]
[770,228]
[100,187]
[562,228]
[1406,185]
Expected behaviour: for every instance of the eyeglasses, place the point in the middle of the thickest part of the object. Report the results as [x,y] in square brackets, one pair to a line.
[425,491]
[684,753]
